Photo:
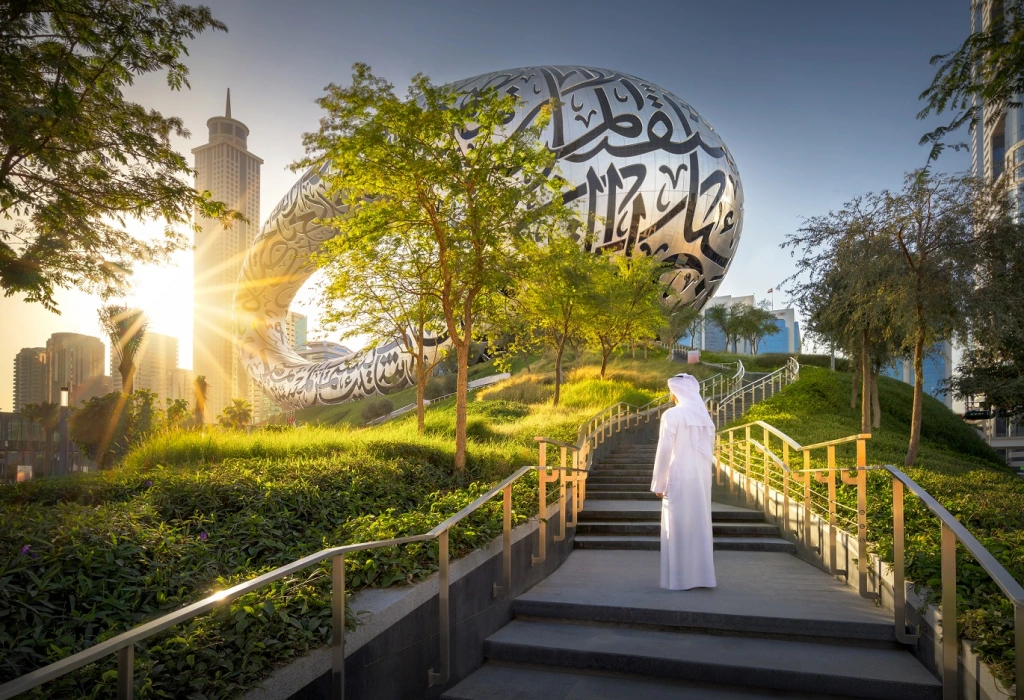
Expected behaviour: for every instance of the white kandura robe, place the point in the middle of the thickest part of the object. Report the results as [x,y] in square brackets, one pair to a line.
[683,474]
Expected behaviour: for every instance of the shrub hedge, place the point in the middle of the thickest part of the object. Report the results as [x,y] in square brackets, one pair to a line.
[84,558]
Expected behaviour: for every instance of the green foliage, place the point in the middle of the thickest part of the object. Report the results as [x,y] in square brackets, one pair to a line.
[111,549]
[557,297]
[440,172]
[441,385]
[76,158]
[992,369]
[629,303]
[236,416]
[982,78]
[107,427]
[955,465]
[376,409]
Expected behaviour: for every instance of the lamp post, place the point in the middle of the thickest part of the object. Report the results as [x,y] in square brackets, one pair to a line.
[62,464]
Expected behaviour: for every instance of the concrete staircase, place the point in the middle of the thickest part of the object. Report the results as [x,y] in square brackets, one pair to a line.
[622,513]
[601,628]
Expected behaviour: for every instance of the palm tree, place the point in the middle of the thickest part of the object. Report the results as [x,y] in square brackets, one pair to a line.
[126,329]
[47,414]
[237,415]
[200,388]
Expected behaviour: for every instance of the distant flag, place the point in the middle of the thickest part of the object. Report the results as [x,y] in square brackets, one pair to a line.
[771,291]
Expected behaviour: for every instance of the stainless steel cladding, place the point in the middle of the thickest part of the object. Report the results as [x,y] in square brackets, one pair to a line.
[647,173]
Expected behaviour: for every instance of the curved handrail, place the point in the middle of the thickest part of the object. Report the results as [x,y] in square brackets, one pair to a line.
[732,455]
[127,640]
[1003,578]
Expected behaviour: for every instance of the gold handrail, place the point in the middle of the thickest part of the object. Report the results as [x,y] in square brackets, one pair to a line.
[124,644]
[735,455]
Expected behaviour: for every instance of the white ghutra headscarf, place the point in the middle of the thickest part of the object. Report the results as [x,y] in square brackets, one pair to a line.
[692,413]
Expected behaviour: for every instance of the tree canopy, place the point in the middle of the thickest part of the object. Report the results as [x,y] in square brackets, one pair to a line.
[981,79]
[441,167]
[76,158]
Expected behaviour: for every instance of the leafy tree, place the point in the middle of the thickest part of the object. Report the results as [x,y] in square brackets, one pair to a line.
[443,168]
[558,296]
[983,78]
[201,389]
[76,158]
[177,413]
[47,415]
[126,329]
[992,367]
[384,289]
[727,321]
[236,415]
[845,284]
[932,227]
[754,323]
[106,427]
[629,303]
[682,319]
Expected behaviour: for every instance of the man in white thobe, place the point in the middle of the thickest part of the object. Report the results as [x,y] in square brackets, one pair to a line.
[682,479]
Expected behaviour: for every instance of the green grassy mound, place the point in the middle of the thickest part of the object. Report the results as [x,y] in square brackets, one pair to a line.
[955,466]
[186,514]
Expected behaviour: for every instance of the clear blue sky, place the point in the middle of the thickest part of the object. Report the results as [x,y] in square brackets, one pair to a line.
[816,100]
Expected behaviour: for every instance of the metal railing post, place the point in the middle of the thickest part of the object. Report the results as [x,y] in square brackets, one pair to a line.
[862,519]
[338,627]
[807,500]
[764,476]
[506,544]
[561,499]
[126,672]
[832,567]
[899,580]
[444,630]
[542,522]
[950,642]
[1018,633]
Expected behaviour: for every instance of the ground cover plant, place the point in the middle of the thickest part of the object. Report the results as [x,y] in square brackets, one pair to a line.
[955,465]
[189,513]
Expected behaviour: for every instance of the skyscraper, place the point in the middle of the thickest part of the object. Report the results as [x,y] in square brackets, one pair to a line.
[31,378]
[226,169]
[155,364]
[75,361]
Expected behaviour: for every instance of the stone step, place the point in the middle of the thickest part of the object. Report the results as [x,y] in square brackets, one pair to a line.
[723,529]
[771,664]
[602,486]
[504,681]
[653,543]
[611,476]
[603,466]
[647,495]
[603,510]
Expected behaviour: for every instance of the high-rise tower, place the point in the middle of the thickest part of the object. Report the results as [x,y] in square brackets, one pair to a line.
[225,168]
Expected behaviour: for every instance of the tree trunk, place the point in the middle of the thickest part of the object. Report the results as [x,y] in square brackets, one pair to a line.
[604,360]
[856,385]
[127,378]
[865,392]
[421,409]
[558,374]
[645,349]
[461,391]
[916,414]
[876,409]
